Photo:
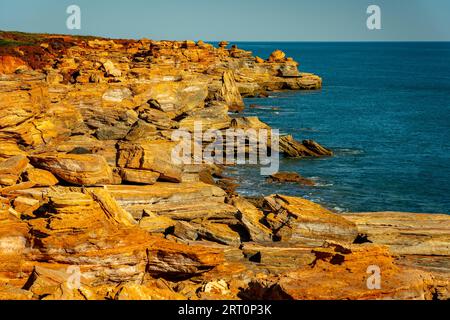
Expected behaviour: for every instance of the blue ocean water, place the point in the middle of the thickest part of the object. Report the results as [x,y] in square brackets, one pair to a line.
[384,110]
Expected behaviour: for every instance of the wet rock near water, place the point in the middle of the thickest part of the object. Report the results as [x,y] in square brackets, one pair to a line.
[290,177]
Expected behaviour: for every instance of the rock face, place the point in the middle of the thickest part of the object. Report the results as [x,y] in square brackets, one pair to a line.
[307,148]
[92,205]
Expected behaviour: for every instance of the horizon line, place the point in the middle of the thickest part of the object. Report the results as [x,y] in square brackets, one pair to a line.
[234,41]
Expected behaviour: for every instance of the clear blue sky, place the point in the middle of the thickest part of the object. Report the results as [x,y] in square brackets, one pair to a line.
[282,20]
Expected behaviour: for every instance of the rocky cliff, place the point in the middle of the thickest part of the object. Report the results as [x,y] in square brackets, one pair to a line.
[92,207]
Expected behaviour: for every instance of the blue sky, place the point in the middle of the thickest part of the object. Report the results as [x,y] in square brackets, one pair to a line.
[238,20]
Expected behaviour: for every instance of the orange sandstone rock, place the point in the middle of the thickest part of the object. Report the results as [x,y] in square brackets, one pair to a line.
[9,64]
[277,56]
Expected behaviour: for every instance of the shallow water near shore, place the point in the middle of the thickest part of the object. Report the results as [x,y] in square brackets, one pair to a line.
[384,110]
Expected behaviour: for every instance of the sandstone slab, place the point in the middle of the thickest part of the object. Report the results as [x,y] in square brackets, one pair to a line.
[76,169]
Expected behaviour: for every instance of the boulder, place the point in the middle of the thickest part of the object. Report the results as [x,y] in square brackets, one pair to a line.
[41,178]
[289,71]
[157,118]
[117,95]
[142,131]
[307,148]
[277,56]
[9,64]
[86,169]
[111,70]
[157,224]
[213,117]
[223,44]
[51,284]
[229,93]
[179,201]
[252,219]
[139,176]
[14,243]
[186,231]
[249,123]
[11,170]
[26,206]
[300,221]
[290,177]
[341,273]
[154,156]
[220,233]
[173,97]
[109,122]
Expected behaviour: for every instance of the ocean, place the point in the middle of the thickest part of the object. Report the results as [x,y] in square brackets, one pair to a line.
[384,110]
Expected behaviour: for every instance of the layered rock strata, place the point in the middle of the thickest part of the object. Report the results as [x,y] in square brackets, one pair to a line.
[93,207]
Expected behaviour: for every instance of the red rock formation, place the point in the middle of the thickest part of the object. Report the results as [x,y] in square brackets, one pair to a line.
[88,188]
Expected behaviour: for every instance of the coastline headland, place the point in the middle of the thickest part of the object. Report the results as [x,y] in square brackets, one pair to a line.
[93,207]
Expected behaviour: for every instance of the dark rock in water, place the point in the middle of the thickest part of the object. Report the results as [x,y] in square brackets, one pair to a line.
[259,107]
[308,148]
[229,185]
[290,177]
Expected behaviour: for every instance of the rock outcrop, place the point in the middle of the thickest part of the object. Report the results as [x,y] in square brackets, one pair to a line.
[340,273]
[290,177]
[92,206]
[308,148]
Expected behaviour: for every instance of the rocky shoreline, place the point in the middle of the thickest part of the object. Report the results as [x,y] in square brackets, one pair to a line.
[87,186]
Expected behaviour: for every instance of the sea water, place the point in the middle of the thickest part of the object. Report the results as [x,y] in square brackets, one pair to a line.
[384,110]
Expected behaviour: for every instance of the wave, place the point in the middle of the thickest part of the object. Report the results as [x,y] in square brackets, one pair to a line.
[320,183]
[348,152]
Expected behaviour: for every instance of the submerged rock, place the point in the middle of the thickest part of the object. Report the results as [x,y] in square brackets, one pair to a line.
[290,177]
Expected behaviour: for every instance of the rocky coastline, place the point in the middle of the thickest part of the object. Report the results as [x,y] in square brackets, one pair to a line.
[88,189]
